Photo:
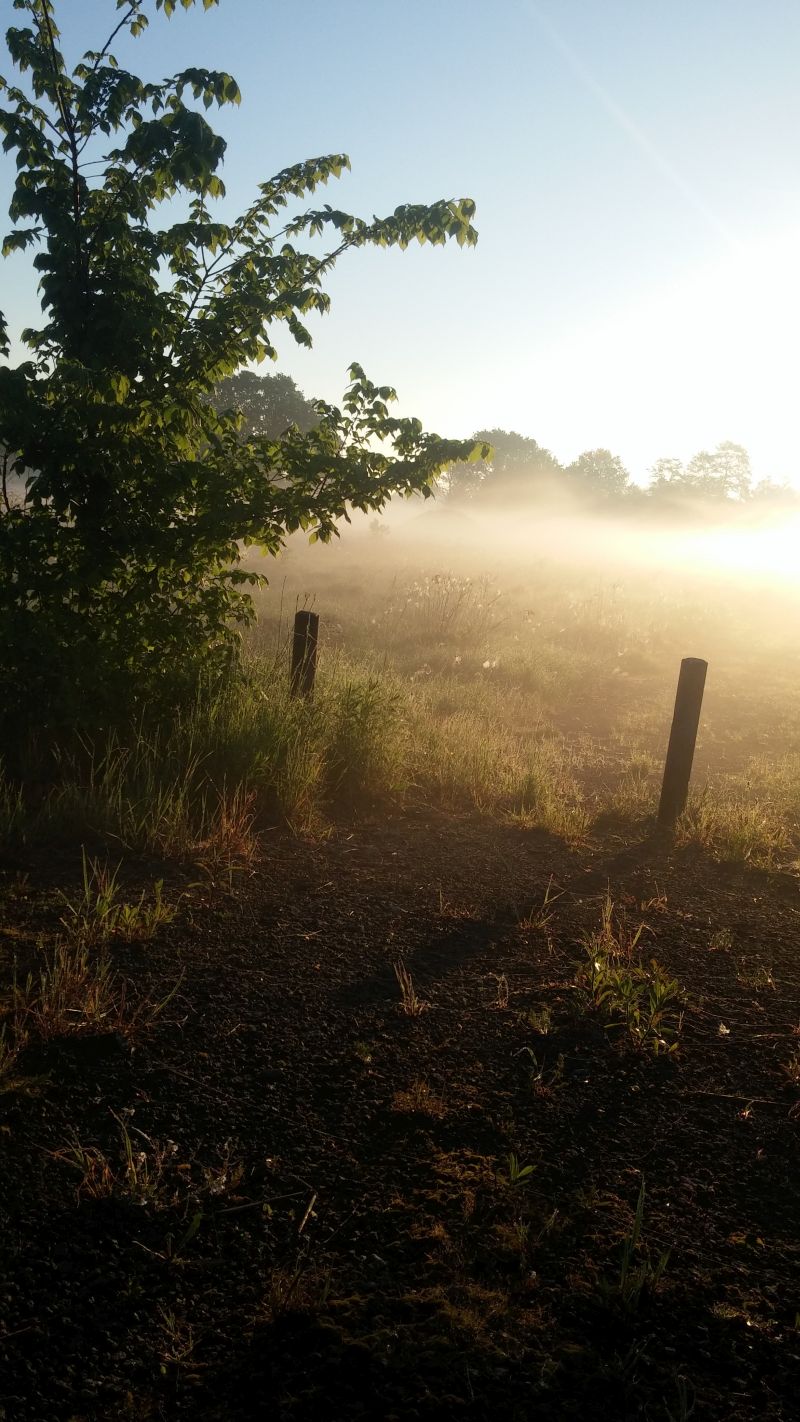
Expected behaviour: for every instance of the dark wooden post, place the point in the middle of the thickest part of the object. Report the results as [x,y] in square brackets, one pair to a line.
[682,740]
[304,653]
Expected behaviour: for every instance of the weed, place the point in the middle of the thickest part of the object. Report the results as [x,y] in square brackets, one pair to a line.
[791,1067]
[13,813]
[138,1173]
[517,1174]
[634,798]
[539,918]
[75,990]
[99,915]
[226,1177]
[639,999]
[9,1051]
[178,1341]
[543,1083]
[502,993]
[735,827]
[657,903]
[615,938]
[419,1099]
[754,975]
[635,1278]
[410,1003]
[721,941]
[540,1019]
[685,1401]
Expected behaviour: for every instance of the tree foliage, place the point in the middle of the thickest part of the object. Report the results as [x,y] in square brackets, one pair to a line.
[267,404]
[522,473]
[516,470]
[723,473]
[598,472]
[123,557]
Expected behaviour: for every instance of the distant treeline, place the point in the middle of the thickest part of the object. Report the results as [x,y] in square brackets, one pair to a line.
[712,483]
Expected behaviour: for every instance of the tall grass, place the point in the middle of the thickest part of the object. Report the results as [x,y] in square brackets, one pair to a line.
[433,690]
[249,754]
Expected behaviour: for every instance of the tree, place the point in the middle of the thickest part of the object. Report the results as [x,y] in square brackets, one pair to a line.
[518,471]
[723,473]
[267,404]
[122,560]
[664,474]
[598,471]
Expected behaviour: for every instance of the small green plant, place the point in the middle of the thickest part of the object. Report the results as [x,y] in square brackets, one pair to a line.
[517,1174]
[636,1277]
[410,1003]
[540,1019]
[639,999]
[544,1082]
[98,915]
[685,1401]
[791,1067]
[138,1174]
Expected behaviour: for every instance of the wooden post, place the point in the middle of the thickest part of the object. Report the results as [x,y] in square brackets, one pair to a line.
[682,740]
[304,653]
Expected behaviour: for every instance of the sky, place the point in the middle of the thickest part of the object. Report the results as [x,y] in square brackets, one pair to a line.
[636,169]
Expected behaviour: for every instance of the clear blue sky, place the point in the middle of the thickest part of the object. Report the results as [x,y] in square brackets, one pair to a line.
[637,172]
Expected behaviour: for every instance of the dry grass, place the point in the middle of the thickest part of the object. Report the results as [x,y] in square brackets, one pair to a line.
[534,692]
[410,1003]
[722,821]
[419,1099]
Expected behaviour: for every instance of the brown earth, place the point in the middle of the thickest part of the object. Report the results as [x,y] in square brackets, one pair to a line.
[330,1231]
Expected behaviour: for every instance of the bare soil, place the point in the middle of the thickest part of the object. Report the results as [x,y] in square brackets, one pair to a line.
[329,1229]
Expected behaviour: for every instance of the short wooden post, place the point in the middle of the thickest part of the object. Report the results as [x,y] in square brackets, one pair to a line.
[304,653]
[682,740]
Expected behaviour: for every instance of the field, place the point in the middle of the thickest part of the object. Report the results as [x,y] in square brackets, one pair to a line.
[375,1057]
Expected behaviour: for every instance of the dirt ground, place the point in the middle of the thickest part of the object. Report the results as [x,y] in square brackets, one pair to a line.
[326,1209]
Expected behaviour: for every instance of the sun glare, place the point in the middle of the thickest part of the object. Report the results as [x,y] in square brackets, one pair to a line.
[769,553]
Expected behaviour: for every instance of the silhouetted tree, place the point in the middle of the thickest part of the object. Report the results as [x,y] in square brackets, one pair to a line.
[598,471]
[269,404]
[520,471]
[723,473]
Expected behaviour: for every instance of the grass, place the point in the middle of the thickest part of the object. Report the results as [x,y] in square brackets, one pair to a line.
[76,990]
[736,829]
[410,1003]
[138,1171]
[538,695]
[638,1271]
[99,914]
